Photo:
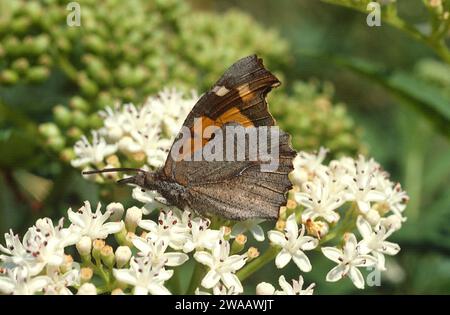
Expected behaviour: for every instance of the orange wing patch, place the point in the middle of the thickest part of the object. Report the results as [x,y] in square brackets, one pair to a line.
[199,139]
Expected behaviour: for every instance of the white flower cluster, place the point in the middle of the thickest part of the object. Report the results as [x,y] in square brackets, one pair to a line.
[143,133]
[39,263]
[361,190]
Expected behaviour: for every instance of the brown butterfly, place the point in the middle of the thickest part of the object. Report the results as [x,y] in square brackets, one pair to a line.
[231,189]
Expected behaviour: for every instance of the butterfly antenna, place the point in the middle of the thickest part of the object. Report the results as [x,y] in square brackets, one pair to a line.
[110,170]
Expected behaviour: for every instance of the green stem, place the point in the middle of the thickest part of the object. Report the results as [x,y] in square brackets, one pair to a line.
[197,276]
[257,263]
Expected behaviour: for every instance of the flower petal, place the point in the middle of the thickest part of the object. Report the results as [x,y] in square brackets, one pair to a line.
[125,276]
[147,225]
[175,259]
[357,278]
[258,233]
[204,258]
[336,274]
[283,258]
[291,225]
[364,261]
[211,279]
[112,227]
[308,242]
[158,289]
[285,286]
[390,248]
[277,238]
[333,254]
[230,280]
[302,261]
[364,227]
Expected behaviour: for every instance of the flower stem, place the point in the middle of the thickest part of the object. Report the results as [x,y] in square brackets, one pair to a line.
[257,263]
[197,276]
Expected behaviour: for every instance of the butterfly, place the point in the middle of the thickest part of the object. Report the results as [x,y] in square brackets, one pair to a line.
[236,189]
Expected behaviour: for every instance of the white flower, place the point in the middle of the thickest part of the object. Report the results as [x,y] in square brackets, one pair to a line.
[392,222]
[170,107]
[307,166]
[395,198]
[18,281]
[265,288]
[122,255]
[144,277]
[293,244]
[362,184]
[148,129]
[170,228]
[43,244]
[319,200]
[113,121]
[87,223]
[149,198]
[60,282]
[219,289]
[132,218]
[295,289]
[348,260]
[201,236]
[156,252]
[94,153]
[374,242]
[252,226]
[17,255]
[222,267]
[84,246]
[116,209]
[87,289]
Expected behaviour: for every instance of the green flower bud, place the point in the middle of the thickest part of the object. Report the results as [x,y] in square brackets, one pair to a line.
[8,76]
[94,43]
[38,44]
[63,44]
[78,103]
[104,99]
[56,143]
[74,133]
[13,46]
[87,86]
[20,65]
[107,256]
[86,274]
[67,155]
[80,119]
[95,121]
[49,130]
[37,74]
[62,115]
[20,25]
[97,246]
[238,243]
[34,11]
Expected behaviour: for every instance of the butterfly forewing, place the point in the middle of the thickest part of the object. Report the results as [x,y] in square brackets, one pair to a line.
[233,189]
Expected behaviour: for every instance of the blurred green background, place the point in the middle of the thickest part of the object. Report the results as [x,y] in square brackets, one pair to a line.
[382,91]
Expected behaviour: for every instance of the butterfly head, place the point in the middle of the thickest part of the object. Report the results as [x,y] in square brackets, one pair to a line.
[142,179]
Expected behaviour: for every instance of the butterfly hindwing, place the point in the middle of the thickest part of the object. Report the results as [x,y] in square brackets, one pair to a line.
[242,190]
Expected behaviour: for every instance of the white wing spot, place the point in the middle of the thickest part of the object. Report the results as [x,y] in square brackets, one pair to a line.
[220,90]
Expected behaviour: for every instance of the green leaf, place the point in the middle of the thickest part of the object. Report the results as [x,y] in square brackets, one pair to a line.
[428,100]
